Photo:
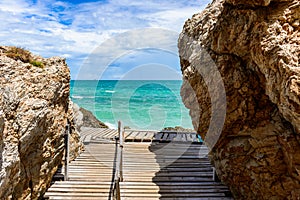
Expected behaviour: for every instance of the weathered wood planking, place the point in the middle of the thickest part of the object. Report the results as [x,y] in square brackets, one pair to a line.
[169,171]
[138,135]
[90,174]
[173,167]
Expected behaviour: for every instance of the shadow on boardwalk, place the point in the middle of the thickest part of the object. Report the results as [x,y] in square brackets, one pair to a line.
[185,172]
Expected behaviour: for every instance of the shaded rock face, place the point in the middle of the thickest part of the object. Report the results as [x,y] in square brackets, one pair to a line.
[76,145]
[79,117]
[85,118]
[33,114]
[255,47]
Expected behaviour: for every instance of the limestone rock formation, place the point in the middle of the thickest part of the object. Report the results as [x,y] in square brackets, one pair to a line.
[251,50]
[76,146]
[178,129]
[34,111]
[79,117]
[85,118]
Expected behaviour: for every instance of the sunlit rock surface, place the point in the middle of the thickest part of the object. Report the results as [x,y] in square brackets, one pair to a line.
[34,112]
[254,48]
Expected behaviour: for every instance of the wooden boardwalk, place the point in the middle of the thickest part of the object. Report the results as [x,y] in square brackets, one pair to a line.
[89,176]
[155,169]
[99,134]
[168,171]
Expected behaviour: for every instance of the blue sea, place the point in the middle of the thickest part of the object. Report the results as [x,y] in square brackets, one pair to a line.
[143,105]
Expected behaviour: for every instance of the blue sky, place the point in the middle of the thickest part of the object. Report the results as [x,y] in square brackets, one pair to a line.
[101,39]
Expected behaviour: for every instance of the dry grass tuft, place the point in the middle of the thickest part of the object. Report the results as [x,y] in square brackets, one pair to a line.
[18,53]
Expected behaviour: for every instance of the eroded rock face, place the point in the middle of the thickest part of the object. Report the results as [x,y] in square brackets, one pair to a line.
[34,110]
[255,47]
[76,146]
[85,118]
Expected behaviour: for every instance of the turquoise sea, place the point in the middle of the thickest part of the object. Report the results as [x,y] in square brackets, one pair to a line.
[145,105]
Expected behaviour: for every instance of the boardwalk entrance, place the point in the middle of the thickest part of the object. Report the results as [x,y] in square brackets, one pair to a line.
[153,168]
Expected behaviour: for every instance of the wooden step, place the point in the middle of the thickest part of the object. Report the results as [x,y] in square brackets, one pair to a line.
[174,195]
[175,170]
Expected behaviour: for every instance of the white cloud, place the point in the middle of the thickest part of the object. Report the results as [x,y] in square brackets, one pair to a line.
[150,72]
[171,19]
[120,45]
[50,27]
[15,7]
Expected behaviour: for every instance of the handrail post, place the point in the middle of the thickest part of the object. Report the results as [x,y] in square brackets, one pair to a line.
[118,195]
[120,131]
[215,175]
[67,151]
[121,137]
[121,154]
[119,127]
[118,176]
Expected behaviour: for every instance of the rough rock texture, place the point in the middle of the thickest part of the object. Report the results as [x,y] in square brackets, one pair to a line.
[80,117]
[255,46]
[85,118]
[34,110]
[76,146]
[89,120]
[178,129]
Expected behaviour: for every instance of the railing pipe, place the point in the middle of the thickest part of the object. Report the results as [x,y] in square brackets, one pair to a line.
[121,135]
[119,163]
[67,152]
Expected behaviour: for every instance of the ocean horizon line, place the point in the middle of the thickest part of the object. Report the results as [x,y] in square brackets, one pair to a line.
[149,104]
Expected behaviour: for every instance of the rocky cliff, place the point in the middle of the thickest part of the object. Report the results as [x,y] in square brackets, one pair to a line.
[240,63]
[34,110]
[85,118]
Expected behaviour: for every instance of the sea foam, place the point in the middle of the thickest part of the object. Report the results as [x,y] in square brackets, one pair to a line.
[110,126]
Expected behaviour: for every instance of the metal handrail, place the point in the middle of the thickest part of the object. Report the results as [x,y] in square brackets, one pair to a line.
[118,176]
[67,152]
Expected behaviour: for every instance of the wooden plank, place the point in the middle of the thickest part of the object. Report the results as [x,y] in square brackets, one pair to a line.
[177,138]
[87,139]
[77,198]
[82,183]
[111,134]
[168,190]
[177,187]
[189,137]
[128,136]
[194,138]
[80,190]
[134,136]
[105,133]
[166,179]
[177,198]
[94,132]
[89,185]
[164,137]
[171,136]
[74,194]
[180,171]
[174,195]
[158,136]
[148,137]
[172,174]
[162,183]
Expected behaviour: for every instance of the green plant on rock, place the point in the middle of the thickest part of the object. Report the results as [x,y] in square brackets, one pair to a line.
[18,53]
[37,63]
